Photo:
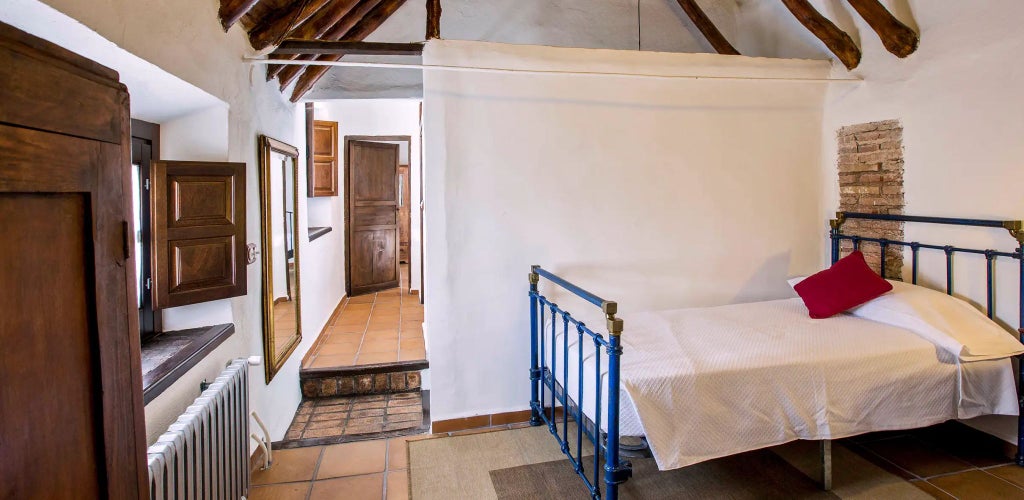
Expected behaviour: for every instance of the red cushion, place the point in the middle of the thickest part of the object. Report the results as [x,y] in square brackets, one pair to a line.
[847,284]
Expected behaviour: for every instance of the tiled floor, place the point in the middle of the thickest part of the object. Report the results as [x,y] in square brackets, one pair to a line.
[356,415]
[366,470]
[945,461]
[375,328]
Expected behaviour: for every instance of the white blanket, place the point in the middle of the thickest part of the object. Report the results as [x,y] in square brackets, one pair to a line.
[712,382]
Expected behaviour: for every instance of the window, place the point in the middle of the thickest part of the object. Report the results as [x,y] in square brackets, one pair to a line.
[145,149]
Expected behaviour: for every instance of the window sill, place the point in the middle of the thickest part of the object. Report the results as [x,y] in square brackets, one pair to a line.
[169,355]
[316,232]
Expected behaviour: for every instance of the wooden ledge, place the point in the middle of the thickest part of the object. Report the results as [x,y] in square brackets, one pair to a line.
[169,355]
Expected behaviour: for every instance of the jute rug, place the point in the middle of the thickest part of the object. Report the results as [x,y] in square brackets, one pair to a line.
[526,463]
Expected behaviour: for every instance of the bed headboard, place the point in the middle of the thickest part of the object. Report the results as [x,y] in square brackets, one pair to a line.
[1015,228]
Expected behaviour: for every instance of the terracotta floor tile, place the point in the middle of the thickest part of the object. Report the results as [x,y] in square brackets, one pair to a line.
[382,334]
[977,484]
[291,491]
[1012,473]
[916,457]
[348,348]
[411,334]
[412,344]
[355,430]
[368,487]
[395,410]
[372,358]
[412,355]
[932,490]
[328,361]
[398,485]
[344,338]
[351,459]
[289,466]
[343,329]
[379,345]
[398,453]
[405,417]
[369,412]
[357,307]
[362,299]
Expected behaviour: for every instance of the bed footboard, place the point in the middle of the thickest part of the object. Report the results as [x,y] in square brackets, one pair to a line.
[550,386]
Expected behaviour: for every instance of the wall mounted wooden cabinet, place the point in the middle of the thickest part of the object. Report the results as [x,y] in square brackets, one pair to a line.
[71,412]
[199,231]
[323,178]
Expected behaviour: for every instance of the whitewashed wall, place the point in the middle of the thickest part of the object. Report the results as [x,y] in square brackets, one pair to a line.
[654,193]
[184,38]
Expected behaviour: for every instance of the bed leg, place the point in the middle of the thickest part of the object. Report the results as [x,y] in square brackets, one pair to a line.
[826,465]
[535,372]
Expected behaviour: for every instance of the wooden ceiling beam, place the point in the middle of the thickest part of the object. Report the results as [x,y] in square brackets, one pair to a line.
[359,10]
[708,28]
[363,29]
[834,38]
[433,19]
[233,10]
[275,26]
[897,37]
[322,47]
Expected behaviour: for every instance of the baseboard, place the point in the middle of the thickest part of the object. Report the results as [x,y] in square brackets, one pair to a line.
[484,421]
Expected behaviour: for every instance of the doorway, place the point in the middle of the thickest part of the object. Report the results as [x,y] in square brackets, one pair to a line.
[377,198]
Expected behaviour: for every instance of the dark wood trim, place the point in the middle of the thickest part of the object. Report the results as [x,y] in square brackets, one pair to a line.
[147,134]
[233,10]
[339,47]
[420,208]
[708,28]
[433,19]
[276,24]
[317,232]
[348,215]
[310,168]
[318,27]
[399,366]
[183,349]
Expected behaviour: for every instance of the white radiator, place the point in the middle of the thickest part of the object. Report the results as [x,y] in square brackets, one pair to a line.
[205,453]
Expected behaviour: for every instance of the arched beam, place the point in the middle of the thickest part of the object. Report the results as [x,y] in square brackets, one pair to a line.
[708,28]
[897,37]
[835,39]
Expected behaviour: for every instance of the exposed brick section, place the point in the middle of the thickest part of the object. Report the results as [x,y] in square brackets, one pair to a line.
[351,385]
[871,181]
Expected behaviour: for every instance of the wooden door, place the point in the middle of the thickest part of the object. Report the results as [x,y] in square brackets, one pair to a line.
[323,180]
[71,413]
[404,215]
[372,194]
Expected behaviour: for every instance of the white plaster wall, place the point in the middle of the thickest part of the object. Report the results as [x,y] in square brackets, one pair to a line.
[959,100]
[374,117]
[654,193]
[184,38]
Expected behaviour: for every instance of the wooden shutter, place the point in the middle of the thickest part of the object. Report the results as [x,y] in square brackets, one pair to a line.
[323,179]
[198,231]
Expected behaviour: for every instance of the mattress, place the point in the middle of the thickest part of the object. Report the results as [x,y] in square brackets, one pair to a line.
[704,383]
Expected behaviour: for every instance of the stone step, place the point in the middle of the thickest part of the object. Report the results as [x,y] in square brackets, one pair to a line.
[385,378]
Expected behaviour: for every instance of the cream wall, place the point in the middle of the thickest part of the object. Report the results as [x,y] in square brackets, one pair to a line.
[184,38]
[654,193]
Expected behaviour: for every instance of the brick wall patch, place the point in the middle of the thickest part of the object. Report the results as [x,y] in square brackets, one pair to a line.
[871,181]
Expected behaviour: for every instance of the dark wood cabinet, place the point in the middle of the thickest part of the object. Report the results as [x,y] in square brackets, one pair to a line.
[71,412]
[199,231]
[323,178]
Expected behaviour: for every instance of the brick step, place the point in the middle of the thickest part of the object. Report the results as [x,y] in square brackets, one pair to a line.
[385,378]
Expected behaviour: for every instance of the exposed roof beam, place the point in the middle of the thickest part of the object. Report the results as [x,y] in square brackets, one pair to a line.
[707,27]
[363,29]
[322,47]
[233,10]
[316,26]
[276,25]
[835,39]
[286,75]
[433,19]
[897,37]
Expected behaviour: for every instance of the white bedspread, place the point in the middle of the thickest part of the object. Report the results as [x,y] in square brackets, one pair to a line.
[710,382]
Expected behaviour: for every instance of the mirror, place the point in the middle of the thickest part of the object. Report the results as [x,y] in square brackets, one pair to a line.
[282,325]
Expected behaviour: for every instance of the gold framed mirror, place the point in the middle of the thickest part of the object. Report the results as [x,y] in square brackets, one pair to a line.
[279,215]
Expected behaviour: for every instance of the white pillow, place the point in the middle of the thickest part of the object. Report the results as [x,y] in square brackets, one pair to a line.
[946,321]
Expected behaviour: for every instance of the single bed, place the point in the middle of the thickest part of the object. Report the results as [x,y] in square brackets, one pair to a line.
[702,383]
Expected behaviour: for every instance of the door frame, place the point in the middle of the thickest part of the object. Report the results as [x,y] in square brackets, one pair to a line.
[348,216]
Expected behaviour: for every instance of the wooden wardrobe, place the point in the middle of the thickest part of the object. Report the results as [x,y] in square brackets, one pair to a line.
[71,412]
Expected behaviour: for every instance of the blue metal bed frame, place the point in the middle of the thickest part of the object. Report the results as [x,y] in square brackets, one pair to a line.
[544,377]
